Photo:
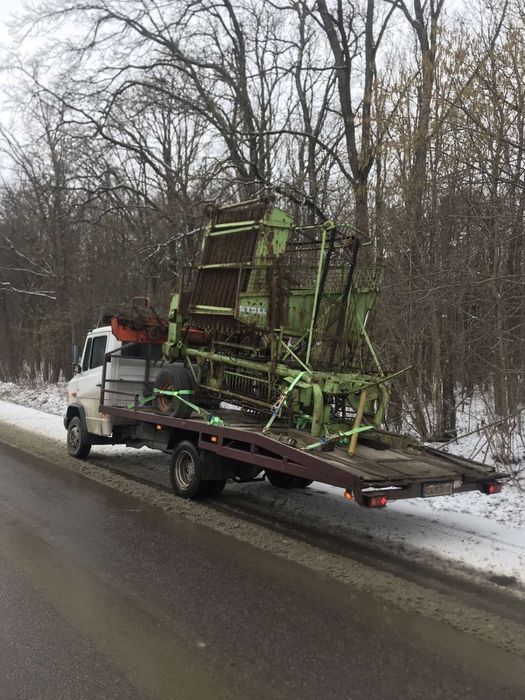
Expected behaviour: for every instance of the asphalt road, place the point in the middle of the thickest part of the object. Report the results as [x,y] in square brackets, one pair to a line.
[103,595]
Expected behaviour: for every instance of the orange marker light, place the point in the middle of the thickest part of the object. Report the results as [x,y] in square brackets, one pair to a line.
[349,495]
[158,427]
[213,438]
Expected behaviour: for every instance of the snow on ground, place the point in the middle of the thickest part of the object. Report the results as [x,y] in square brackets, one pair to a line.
[486,533]
[466,538]
[48,397]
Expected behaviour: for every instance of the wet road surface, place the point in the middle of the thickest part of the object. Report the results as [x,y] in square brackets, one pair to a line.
[102,595]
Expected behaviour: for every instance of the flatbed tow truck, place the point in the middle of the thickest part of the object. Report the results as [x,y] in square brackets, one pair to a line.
[263,369]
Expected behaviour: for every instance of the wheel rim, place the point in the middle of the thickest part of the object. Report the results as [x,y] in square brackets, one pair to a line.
[184,469]
[74,437]
[165,403]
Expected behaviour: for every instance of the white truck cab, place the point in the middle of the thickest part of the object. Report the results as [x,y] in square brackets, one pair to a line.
[84,389]
[125,374]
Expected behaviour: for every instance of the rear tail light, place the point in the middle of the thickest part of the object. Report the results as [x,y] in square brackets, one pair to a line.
[489,489]
[375,501]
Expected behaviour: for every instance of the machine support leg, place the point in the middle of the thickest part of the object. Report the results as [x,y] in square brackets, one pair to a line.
[318,412]
[357,423]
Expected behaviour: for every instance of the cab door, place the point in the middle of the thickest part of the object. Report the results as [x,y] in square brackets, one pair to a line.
[90,379]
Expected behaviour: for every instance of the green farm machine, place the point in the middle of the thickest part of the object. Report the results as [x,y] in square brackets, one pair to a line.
[264,365]
[274,319]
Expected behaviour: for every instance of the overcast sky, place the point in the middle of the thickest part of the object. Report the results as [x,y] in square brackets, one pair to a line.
[7,8]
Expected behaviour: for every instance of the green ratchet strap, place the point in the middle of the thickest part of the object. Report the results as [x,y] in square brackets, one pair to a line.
[276,408]
[143,402]
[179,395]
[337,436]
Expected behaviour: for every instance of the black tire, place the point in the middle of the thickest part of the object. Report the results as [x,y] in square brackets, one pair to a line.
[186,472]
[78,441]
[214,488]
[246,472]
[286,481]
[174,378]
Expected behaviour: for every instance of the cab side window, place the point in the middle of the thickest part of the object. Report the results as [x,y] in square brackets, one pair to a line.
[98,350]
[87,353]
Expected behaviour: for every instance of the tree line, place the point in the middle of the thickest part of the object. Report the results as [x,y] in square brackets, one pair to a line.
[404,118]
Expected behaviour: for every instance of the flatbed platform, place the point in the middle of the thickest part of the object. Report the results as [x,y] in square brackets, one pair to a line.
[411,472]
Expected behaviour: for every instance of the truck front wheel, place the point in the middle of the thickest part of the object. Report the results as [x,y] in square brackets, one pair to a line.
[186,474]
[78,442]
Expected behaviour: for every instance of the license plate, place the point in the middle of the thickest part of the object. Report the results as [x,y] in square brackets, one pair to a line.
[445,488]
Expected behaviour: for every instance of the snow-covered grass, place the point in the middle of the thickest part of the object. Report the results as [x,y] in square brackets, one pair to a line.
[486,533]
[51,398]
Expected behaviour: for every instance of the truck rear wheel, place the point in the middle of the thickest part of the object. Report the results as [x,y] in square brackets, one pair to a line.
[186,474]
[286,481]
[78,442]
[174,378]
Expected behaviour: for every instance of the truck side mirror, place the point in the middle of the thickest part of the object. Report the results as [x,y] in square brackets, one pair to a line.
[77,369]
[75,354]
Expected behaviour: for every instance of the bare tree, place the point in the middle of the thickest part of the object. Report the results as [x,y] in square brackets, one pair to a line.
[354,41]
